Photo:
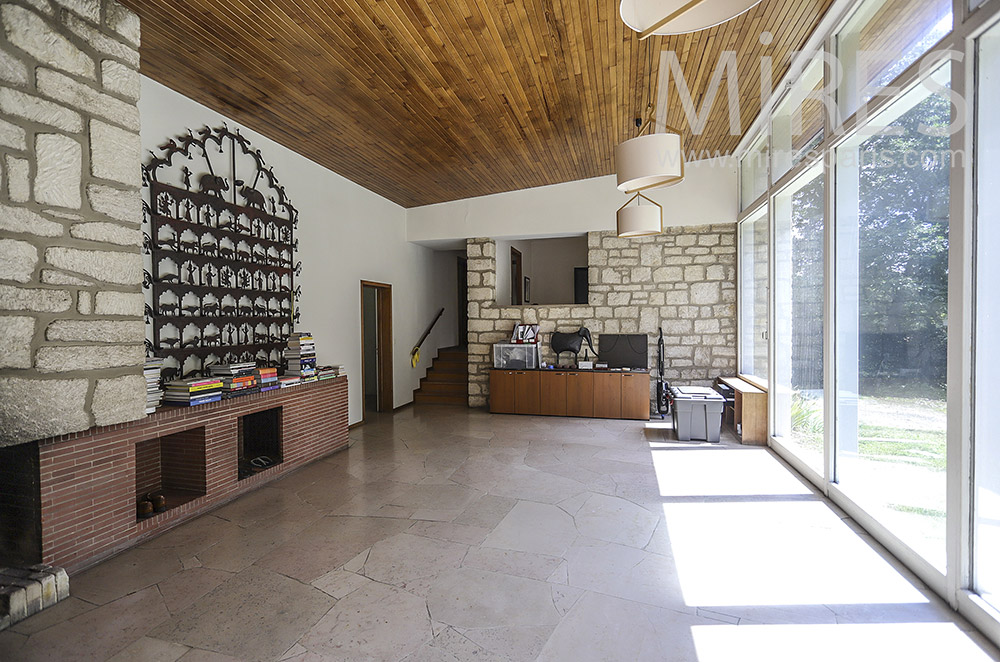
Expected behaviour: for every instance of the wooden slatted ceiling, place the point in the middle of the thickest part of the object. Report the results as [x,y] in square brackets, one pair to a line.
[424,101]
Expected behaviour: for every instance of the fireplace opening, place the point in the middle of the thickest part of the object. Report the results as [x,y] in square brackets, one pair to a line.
[20,506]
[259,442]
[169,471]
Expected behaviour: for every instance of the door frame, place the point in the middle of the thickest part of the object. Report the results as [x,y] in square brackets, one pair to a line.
[516,272]
[463,301]
[383,349]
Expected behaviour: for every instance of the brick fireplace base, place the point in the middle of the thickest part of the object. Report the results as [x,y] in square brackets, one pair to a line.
[89,482]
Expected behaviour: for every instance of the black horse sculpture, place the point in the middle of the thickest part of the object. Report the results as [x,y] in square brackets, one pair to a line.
[571,342]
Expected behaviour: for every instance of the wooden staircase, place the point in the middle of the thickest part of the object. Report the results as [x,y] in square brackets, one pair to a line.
[447,380]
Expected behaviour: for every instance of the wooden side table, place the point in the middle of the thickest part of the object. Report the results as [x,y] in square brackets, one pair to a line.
[750,411]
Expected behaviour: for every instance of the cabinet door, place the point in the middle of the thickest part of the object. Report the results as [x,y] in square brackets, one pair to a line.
[502,391]
[607,395]
[553,393]
[635,396]
[580,394]
[526,392]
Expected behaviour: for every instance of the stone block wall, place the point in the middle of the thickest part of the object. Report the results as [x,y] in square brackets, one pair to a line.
[70,213]
[683,281]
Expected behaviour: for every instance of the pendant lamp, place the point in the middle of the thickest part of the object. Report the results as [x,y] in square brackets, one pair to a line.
[640,220]
[666,17]
[650,161]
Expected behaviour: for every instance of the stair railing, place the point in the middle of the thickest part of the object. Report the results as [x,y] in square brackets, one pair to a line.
[415,352]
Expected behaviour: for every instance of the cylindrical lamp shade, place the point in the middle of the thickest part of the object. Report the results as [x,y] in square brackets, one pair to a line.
[640,220]
[640,15]
[649,161]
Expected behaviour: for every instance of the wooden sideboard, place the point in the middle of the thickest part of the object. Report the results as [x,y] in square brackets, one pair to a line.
[749,411]
[582,393]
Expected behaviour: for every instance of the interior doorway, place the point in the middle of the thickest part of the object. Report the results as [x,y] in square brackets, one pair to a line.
[376,347]
[463,302]
[516,273]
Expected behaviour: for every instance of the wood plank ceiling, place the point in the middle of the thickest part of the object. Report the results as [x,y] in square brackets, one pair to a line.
[424,101]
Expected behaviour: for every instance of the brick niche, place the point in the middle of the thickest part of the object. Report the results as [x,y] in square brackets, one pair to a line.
[89,481]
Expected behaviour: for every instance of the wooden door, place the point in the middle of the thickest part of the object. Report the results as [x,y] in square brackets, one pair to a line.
[526,392]
[502,391]
[580,394]
[635,396]
[383,343]
[607,394]
[515,277]
[553,393]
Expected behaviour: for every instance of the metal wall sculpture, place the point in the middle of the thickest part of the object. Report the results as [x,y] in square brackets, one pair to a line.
[220,243]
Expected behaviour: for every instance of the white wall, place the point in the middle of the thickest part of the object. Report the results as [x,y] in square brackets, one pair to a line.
[346,234]
[707,195]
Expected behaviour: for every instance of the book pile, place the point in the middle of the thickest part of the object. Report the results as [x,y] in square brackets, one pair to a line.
[237,378]
[268,379]
[330,371]
[301,356]
[191,392]
[287,381]
[151,371]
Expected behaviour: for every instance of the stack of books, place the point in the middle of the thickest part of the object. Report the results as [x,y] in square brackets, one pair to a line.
[151,371]
[237,378]
[287,381]
[301,356]
[268,379]
[328,372]
[191,392]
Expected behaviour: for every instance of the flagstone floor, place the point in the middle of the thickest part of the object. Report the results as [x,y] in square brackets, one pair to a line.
[449,534]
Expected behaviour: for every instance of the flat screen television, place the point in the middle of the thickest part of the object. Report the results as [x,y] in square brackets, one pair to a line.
[624,350]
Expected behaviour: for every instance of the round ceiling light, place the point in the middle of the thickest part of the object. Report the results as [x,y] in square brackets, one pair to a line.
[649,161]
[640,220]
[665,17]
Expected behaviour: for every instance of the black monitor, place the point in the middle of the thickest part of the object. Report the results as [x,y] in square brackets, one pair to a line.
[624,350]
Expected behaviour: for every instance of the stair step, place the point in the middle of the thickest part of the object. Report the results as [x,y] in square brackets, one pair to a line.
[445,377]
[450,366]
[444,388]
[453,354]
[424,398]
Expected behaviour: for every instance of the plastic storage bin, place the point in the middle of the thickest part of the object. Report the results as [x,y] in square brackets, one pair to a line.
[515,356]
[697,413]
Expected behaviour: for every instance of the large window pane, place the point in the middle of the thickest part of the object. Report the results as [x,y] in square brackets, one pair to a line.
[798,317]
[882,39]
[753,296]
[797,125]
[753,173]
[892,297]
[986,501]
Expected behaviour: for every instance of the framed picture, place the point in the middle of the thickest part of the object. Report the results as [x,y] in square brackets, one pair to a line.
[525,333]
[527,290]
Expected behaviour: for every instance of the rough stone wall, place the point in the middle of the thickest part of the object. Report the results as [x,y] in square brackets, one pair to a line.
[70,215]
[683,281]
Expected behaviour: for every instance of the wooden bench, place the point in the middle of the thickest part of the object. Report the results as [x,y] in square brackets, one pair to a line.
[749,411]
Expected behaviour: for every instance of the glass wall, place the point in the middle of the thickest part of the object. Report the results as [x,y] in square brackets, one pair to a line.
[754,295]
[797,125]
[753,173]
[986,500]
[881,40]
[797,387]
[892,305]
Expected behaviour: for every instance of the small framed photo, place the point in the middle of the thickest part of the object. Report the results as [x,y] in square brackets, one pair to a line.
[527,290]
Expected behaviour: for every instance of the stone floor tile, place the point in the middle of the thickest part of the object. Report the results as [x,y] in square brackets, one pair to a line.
[512,643]
[201,655]
[328,543]
[508,562]
[538,528]
[240,550]
[615,520]
[126,573]
[486,512]
[468,598]
[148,649]
[463,533]
[192,537]
[184,588]
[404,558]
[261,504]
[61,611]
[100,633]
[376,622]
[265,613]
[340,583]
